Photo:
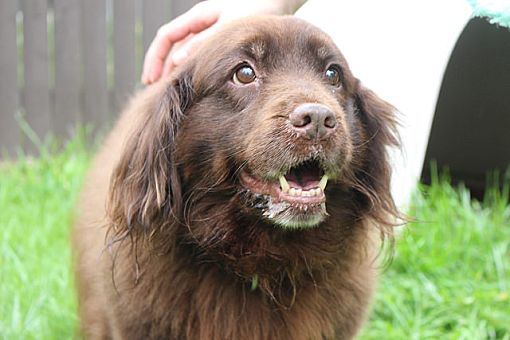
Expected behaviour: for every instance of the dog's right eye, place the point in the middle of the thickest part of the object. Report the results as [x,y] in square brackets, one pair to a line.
[333,75]
[244,75]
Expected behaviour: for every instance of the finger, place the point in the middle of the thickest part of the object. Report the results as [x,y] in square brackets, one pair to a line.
[200,17]
[182,52]
[169,65]
[195,19]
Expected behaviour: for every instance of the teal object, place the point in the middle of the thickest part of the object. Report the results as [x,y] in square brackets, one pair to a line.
[495,11]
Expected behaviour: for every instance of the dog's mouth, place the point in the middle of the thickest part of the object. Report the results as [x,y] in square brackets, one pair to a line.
[296,199]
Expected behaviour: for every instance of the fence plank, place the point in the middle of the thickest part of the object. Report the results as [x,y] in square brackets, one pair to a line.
[81,86]
[178,7]
[9,131]
[94,62]
[67,66]
[155,14]
[36,90]
[124,50]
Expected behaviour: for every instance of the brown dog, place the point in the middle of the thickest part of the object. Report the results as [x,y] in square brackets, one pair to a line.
[242,196]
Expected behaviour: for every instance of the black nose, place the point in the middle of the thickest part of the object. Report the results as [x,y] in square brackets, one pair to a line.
[315,121]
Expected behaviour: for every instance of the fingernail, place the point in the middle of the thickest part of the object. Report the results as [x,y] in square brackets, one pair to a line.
[153,77]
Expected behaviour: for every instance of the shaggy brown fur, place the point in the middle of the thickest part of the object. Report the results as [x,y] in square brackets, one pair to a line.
[187,247]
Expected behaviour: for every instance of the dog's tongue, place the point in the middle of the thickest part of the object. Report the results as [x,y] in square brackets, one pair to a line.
[305,176]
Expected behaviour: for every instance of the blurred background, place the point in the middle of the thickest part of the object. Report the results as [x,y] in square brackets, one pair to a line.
[69,62]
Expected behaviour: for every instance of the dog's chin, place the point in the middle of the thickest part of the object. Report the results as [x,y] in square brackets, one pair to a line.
[291,216]
[295,200]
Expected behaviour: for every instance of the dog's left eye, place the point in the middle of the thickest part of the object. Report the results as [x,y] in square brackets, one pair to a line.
[244,75]
[332,75]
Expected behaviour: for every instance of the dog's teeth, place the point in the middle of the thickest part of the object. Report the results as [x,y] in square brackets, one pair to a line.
[284,184]
[323,182]
[298,192]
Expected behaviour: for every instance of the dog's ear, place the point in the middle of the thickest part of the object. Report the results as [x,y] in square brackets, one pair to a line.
[145,187]
[380,124]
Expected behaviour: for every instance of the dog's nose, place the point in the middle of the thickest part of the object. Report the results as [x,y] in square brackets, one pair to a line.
[316,121]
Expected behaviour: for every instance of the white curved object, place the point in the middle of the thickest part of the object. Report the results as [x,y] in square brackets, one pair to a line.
[400,50]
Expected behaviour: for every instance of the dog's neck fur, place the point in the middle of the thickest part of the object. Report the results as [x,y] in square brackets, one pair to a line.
[193,282]
[189,292]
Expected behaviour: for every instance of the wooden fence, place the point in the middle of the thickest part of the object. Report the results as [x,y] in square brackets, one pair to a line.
[69,62]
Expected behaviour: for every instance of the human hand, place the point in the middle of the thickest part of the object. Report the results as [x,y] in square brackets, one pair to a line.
[176,40]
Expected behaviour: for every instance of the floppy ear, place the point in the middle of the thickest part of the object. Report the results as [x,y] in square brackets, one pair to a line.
[145,188]
[380,123]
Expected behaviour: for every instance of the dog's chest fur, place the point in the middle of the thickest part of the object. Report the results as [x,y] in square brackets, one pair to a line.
[182,300]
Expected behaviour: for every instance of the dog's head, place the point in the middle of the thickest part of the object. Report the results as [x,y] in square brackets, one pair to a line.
[264,128]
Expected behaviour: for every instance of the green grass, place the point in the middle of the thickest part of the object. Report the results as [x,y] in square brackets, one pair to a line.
[36,200]
[450,277]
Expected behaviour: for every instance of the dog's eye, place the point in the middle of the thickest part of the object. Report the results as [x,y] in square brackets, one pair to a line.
[244,75]
[332,75]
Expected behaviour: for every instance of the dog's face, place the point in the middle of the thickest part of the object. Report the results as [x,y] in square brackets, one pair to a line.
[265,125]
[276,110]
[281,108]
